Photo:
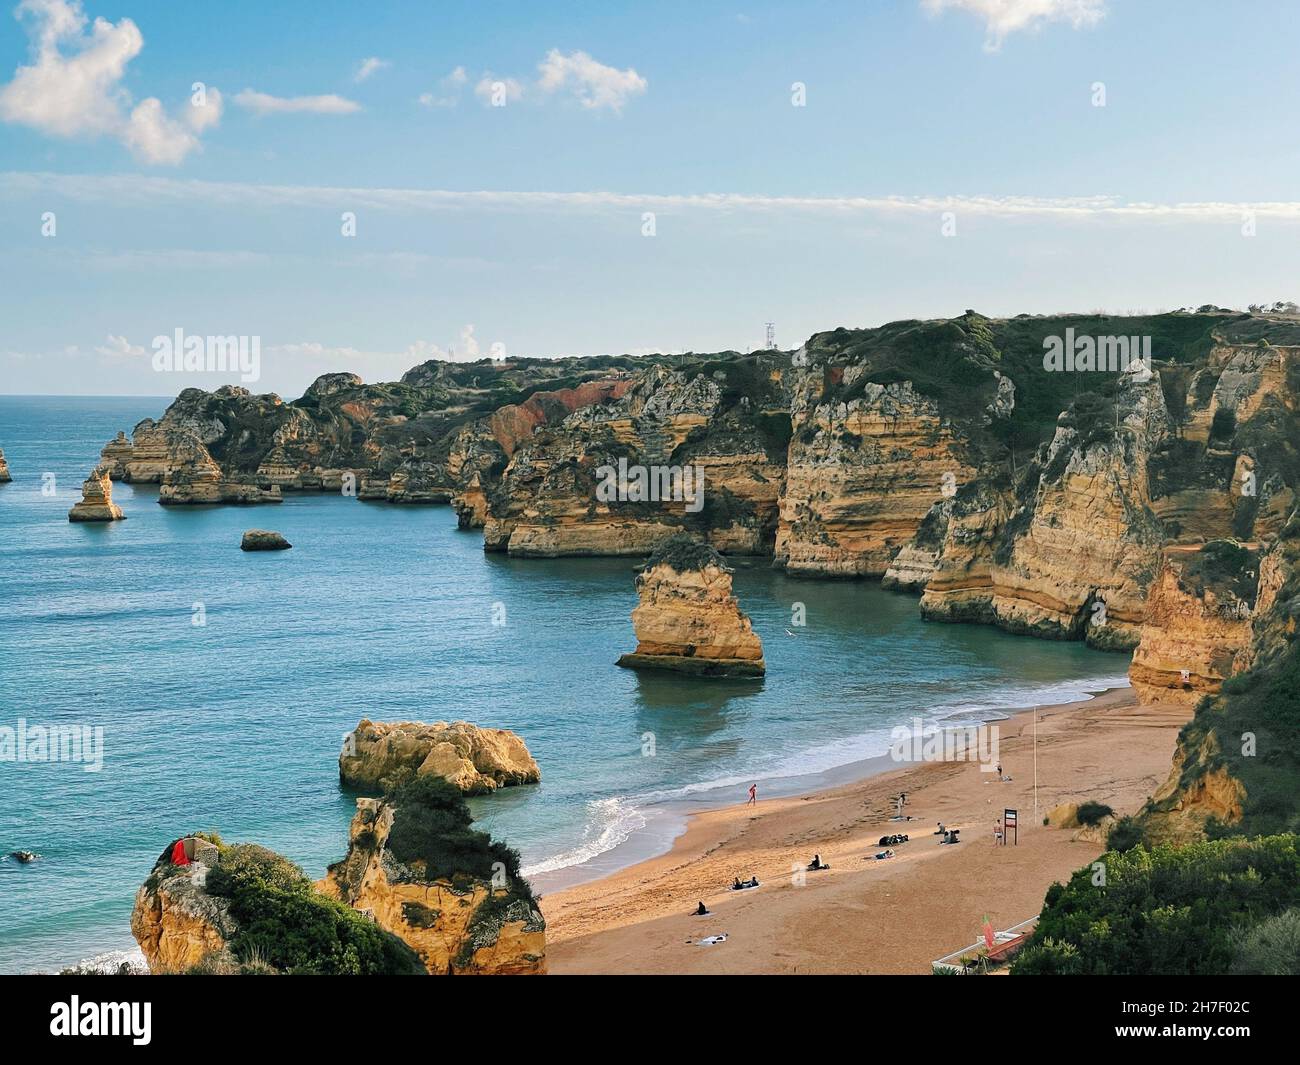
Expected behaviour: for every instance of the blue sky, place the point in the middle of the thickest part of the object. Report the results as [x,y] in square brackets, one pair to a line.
[521,226]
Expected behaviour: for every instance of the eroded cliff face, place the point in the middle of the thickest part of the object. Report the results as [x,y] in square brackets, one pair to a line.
[687,618]
[1197,629]
[96,502]
[1236,764]
[176,922]
[396,442]
[458,925]
[711,440]
[862,476]
[379,754]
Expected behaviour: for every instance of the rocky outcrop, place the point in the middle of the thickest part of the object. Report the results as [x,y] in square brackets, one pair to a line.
[212,909]
[263,540]
[4,470]
[481,921]
[177,923]
[96,503]
[1197,627]
[380,755]
[700,448]
[687,619]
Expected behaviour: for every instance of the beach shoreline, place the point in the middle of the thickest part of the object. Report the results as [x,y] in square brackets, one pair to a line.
[864,915]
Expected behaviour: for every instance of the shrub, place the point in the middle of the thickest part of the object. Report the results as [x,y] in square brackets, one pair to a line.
[1051,957]
[1125,834]
[1091,813]
[1271,948]
[285,926]
[1171,910]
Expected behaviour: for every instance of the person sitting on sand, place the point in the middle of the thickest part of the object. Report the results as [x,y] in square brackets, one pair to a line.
[737,885]
[816,863]
[940,831]
[701,910]
[753,882]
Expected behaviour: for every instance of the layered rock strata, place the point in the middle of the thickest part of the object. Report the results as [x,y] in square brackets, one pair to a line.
[688,620]
[381,754]
[96,503]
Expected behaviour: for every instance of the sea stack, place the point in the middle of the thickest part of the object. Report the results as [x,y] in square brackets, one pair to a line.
[454,896]
[687,619]
[4,469]
[96,499]
[475,761]
[263,540]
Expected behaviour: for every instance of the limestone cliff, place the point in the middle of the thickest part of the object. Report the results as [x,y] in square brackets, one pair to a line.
[687,618]
[1197,627]
[480,920]
[1236,763]
[474,760]
[700,448]
[96,503]
[176,922]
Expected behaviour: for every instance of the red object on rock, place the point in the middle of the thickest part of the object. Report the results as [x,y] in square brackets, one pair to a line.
[178,853]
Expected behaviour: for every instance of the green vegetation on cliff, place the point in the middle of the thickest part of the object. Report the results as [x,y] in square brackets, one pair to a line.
[1186,910]
[287,926]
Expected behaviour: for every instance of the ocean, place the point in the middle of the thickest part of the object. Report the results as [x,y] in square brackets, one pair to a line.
[387,612]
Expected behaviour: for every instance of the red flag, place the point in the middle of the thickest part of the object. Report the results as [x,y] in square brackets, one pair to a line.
[988,932]
[178,853]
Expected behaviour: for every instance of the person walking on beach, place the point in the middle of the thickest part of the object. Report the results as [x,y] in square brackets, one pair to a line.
[997,832]
[753,795]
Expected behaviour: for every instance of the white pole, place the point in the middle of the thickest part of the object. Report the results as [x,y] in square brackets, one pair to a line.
[1035,765]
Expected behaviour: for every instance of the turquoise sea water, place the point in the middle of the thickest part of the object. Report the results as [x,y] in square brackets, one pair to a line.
[387,612]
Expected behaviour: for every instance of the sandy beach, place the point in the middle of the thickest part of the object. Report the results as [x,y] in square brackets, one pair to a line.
[864,915]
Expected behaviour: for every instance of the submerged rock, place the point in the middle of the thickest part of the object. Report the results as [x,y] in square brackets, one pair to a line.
[96,502]
[263,540]
[474,760]
[688,620]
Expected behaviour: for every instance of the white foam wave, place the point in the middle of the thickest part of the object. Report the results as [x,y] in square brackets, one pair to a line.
[609,822]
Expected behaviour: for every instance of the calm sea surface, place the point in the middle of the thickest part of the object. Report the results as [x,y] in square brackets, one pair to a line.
[387,612]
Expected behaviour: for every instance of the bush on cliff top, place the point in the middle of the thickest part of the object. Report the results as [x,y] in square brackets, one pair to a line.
[286,924]
[432,830]
[1172,910]
[684,552]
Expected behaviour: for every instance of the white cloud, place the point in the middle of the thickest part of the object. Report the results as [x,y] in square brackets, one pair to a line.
[261,103]
[490,89]
[119,347]
[1003,17]
[367,67]
[72,87]
[147,190]
[449,90]
[594,84]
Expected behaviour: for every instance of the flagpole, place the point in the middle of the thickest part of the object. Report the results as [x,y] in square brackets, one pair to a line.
[1035,765]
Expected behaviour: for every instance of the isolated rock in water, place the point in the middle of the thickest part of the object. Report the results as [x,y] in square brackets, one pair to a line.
[263,540]
[4,469]
[688,620]
[96,499]
[380,754]
[454,896]
[24,856]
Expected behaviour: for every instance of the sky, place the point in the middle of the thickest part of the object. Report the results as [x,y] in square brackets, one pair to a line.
[364,186]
